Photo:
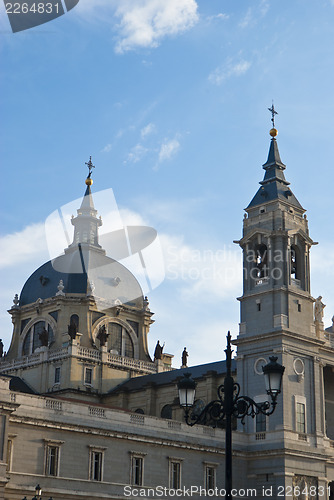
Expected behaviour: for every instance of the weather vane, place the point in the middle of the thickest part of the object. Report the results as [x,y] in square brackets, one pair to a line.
[273,113]
[90,166]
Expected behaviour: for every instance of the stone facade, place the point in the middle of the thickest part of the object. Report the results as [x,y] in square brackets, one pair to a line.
[86,413]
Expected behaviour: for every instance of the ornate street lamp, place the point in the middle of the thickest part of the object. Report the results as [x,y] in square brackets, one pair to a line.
[230,404]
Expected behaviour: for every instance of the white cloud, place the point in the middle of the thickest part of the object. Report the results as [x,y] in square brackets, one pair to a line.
[145,23]
[141,23]
[254,14]
[204,274]
[220,16]
[136,153]
[22,246]
[148,130]
[107,148]
[247,19]
[228,70]
[264,7]
[168,149]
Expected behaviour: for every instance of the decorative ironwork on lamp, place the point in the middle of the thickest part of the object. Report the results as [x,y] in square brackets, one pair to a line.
[230,404]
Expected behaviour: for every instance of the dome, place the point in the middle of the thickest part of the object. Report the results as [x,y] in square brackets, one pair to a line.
[84,270]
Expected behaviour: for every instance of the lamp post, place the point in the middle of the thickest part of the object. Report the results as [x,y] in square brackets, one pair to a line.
[231,404]
[38,493]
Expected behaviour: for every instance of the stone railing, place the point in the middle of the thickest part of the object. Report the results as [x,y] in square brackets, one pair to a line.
[135,364]
[88,353]
[96,412]
[78,351]
[61,352]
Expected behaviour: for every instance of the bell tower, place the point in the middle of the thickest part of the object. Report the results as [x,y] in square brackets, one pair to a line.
[278,317]
[276,247]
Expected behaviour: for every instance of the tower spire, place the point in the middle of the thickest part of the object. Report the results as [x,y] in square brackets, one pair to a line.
[86,223]
[274,186]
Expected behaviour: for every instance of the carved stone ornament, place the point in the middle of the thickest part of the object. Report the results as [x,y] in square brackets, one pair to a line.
[60,288]
[15,301]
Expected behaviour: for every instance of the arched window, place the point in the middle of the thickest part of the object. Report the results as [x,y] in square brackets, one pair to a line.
[295,263]
[119,340]
[39,334]
[140,411]
[261,261]
[166,412]
[75,320]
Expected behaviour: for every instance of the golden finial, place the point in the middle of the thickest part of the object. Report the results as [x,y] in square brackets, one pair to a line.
[273,131]
[89,180]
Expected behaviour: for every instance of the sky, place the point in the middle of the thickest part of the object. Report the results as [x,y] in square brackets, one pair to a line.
[170,98]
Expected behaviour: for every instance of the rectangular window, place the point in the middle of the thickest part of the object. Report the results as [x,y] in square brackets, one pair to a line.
[52,460]
[96,465]
[137,471]
[300,418]
[210,477]
[88,376]
[175,475]
[57,375]
[260,422]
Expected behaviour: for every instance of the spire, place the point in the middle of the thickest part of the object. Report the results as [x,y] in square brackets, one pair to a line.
[86,223]
[274,166]
[274,185]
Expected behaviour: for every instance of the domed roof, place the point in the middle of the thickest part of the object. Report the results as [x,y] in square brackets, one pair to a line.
[84,270]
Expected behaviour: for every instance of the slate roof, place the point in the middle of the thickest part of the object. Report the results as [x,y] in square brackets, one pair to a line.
[164,378]
[274,185]
[19,385]
[72,269]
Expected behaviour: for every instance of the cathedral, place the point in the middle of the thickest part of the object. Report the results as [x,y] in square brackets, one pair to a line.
[87,413]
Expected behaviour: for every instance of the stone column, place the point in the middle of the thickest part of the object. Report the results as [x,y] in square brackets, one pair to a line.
[5,410]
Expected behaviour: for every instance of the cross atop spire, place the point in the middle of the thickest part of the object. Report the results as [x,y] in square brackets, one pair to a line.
[90,167]
[273,113]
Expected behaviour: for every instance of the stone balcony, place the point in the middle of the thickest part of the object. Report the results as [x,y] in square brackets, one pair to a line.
[44,354]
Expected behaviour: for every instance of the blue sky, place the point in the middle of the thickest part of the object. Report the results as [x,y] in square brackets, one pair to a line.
[170,98]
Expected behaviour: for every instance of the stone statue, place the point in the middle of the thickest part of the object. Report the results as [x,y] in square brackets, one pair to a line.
[158,351]
[72,330]
[102,335]
[319,307]
[184,358]
[146,304]
[1,348]
[44,337]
